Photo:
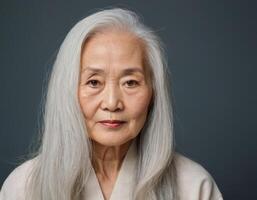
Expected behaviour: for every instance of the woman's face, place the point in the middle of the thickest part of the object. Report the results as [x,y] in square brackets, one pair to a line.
[114,88]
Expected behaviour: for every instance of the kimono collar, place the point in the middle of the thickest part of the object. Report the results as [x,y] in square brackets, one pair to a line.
[125,182]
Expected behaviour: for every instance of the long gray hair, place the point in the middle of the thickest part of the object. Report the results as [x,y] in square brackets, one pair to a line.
[63,162]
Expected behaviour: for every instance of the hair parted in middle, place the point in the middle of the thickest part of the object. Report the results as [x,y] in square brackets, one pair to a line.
[62,163]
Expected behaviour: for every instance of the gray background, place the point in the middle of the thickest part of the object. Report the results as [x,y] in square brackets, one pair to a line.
[211,48]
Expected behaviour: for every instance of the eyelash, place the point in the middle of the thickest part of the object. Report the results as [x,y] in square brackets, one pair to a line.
[90,83]
[127,83]
[135,83]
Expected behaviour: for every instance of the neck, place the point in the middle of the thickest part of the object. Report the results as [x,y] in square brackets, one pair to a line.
[107,160]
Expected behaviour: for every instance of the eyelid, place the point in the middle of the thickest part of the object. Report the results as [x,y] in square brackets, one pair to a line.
[92,75]
[90,81]
[135,83]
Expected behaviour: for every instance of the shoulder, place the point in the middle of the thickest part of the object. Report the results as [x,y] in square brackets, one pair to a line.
[14,185]
[194,181]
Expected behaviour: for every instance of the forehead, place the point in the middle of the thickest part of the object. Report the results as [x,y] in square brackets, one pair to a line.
[115,49]
[113,38]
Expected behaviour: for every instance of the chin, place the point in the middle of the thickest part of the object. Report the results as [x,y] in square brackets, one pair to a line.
[111,140]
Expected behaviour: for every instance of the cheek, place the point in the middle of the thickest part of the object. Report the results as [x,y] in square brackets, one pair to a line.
[138,106]
[88,105]
[138,109]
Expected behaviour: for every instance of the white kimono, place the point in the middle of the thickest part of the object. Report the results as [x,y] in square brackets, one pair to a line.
[194,182]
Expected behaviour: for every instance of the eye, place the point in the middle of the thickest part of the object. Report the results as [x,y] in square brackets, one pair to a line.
[93,83]
[131,83]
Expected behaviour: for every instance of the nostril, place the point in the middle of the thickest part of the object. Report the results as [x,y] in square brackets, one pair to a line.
[112,107]
[117,109]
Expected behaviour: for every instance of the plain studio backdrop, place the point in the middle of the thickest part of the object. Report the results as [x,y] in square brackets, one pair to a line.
[211,50]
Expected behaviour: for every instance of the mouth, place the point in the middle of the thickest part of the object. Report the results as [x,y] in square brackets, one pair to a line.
[112,123]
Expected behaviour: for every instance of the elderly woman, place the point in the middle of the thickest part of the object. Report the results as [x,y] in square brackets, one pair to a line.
[108,125]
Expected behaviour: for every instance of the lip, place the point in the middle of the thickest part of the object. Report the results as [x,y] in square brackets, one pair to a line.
[112,123]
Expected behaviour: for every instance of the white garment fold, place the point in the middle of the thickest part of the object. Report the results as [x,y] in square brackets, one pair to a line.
[194,182]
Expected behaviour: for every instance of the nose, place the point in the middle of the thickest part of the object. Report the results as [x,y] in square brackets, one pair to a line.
[112,99]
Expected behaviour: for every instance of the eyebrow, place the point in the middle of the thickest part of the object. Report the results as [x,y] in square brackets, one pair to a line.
[125,72]
[95,70]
